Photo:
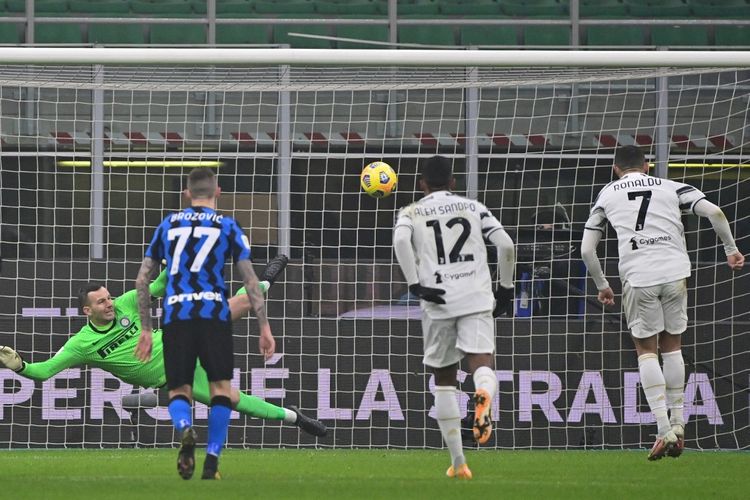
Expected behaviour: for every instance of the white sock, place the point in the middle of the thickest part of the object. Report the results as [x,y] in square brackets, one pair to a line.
[652,381]
[484,378]
[290,417]
[674,376]
[449,420]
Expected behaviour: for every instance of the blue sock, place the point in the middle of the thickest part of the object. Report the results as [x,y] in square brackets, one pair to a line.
[218,424]
[181,412]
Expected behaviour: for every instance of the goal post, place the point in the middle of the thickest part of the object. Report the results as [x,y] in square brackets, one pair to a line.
[95,144]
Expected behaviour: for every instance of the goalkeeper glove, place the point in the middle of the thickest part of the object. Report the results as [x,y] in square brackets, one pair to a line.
[10,359]
[426,293]
[504,301]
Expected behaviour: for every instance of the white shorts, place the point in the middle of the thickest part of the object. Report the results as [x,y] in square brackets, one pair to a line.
[446,341]
[654,309]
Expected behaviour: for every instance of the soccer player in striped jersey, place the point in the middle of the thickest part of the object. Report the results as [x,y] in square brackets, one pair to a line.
[439,242]
[196,242]
[645,212]
[108,339]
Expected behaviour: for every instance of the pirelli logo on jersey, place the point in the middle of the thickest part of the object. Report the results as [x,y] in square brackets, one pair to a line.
[195,297]
[129,332]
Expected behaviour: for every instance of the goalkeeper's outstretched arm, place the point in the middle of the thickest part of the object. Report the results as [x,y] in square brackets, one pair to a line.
[65,358]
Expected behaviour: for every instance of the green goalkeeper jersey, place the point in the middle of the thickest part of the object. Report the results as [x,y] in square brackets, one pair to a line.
[112,347]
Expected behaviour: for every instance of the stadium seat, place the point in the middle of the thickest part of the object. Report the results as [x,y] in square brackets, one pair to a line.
[604,10]
[737,36]
[535,8]
[376,33]
[69,33]
[177,34]
[50,8]
[471,9]
[14,6]
[114,34]
[489,35]
[112,8]
[617,36]
[302,9]
[238,34]
[546,35]
[173,8]
[10,33]
[679,36]
[227,9]
[427,35]
[419,9]
[361,9]
[281,35]
[670,9]
[721,11]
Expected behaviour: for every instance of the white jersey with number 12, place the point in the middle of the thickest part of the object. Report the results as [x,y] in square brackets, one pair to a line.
[448,237]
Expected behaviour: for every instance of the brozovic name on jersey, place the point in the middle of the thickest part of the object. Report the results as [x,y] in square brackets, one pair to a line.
[213,217]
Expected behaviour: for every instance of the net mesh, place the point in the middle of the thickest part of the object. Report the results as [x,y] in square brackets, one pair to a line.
[534,145]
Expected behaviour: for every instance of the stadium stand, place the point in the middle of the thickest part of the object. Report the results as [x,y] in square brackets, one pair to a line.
[679,36]
[9,33]
[237,34]
[67,33]
[685,34]
[548,35]
[178,34]
[615,35]
[376,33]
[427,35]
[488,35]
[176,8]
[113,8]
[281,35]
[114,34]
[732,35]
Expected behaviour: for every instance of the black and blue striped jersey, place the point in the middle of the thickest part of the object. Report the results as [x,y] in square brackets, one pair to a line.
[196,244]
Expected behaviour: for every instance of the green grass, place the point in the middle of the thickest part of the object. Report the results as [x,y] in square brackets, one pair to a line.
[328,474]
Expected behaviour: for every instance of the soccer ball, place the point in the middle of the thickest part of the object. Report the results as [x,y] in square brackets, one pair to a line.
[378,179]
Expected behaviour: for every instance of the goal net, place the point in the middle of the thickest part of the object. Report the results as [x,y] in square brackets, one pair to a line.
[94,154]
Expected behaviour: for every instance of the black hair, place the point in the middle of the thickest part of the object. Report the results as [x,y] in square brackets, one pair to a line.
[83,293]
[629,157]
[201,182]
[437,172]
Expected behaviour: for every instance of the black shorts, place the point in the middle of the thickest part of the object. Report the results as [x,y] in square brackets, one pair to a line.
[189,340]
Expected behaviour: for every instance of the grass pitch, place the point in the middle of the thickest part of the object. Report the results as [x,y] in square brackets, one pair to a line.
[364,474]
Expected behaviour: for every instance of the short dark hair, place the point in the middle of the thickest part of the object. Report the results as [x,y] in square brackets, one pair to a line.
[83,293]
[437,172]
[201,182]
[629,157]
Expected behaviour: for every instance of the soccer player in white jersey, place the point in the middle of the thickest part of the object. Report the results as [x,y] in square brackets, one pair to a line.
[653,263]
[439,242]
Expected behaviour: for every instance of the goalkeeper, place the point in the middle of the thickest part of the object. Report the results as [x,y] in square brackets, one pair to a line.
[108,341]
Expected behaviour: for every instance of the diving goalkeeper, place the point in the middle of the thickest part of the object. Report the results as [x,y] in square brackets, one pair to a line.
[108,341]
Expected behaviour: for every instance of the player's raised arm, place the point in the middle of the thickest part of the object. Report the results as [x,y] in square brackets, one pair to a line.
[715,215]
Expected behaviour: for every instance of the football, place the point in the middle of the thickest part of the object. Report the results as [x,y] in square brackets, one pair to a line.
[378,179]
